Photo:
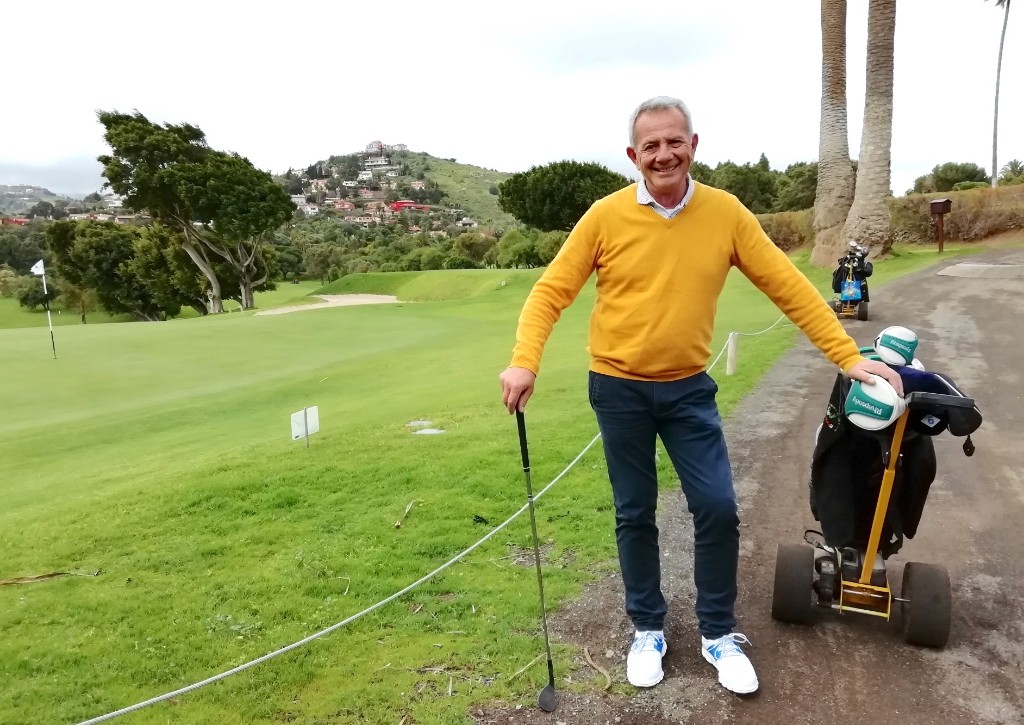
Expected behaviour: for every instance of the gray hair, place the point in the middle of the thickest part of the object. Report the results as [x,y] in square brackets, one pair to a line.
[658,103]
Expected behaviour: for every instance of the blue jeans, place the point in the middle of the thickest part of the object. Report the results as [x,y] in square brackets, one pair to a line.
[632,415]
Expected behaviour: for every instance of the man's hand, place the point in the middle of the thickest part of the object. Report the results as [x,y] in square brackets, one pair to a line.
[516,388]
[863,371]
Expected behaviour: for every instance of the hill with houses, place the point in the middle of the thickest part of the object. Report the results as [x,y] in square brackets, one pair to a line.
[384,183]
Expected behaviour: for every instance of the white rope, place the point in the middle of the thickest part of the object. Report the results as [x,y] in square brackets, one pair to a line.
[381,603]
[759,332]
[354,617]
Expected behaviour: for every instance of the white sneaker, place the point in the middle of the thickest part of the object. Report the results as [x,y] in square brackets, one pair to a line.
[643,664]
[735,672]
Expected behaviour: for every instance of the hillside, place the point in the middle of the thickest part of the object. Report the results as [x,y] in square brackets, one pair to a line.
[360,187]
[16,199]
[467,187]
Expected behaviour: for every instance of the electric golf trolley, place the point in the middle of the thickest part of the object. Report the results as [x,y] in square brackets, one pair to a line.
[850,280]
[868,489]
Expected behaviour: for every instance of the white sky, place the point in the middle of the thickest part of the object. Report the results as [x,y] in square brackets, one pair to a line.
[503,86]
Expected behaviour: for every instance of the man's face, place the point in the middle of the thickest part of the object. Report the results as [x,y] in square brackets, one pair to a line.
[662,150]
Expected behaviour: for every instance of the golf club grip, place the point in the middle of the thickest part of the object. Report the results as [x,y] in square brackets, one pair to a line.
[521,424]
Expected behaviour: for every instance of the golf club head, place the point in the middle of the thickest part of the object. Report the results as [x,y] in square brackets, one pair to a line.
[548,699]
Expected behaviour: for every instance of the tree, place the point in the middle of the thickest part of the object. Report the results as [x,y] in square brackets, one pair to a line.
[555,196]
[30,292]
[1005,4]
[1012,173]
[835,179]
[797,187]
[517,249]
[78,298]
[868,221]
[752,184]
[19,251]
[219,202]
[100,256]
[42,209]
[548,245]
[9,281]
[702,173]
[944,177]
[472,245]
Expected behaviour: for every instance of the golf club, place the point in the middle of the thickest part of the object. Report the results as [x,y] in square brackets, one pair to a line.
[547,700]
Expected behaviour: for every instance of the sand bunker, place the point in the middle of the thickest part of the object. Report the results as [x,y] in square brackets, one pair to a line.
[333,301]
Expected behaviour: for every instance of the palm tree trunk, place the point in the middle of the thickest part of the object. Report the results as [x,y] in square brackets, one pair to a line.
[834,194]
[868,221]
[995,114]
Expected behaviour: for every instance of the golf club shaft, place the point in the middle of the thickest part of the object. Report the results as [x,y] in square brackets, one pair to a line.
[521,424]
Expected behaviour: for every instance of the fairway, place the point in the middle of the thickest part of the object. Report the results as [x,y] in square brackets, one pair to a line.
[159,456]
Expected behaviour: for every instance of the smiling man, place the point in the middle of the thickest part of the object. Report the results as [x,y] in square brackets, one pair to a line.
[662,249]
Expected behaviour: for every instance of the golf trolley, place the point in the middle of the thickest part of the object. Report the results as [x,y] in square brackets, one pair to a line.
[850,281]
[868,489]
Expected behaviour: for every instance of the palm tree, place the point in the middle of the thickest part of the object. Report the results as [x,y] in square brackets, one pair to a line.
[868,221]
[1012,171]
[835,172]
[1005,4]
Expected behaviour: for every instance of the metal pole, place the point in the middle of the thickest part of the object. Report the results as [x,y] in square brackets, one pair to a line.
[49,320]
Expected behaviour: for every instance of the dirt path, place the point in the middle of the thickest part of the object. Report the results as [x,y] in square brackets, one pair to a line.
[332,301]
[849,668]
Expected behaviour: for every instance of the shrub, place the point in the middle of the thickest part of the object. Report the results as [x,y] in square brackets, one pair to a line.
[788,229]
[965,185]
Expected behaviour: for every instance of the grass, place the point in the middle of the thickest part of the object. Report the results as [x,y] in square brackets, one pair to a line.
[159,455]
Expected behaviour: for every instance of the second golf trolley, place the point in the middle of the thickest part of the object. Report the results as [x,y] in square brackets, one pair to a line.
[868,490]
[850,280]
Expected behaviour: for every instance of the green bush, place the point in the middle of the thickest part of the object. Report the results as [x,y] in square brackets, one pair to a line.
[965,185]
[788,229]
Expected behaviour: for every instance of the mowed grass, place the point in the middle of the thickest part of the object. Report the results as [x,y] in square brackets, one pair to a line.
[159,456]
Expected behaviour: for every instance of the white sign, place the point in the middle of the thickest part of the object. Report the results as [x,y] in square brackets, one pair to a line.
[305,423]
[39,269]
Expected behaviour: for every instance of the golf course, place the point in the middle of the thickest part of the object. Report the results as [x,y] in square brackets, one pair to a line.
[150,469]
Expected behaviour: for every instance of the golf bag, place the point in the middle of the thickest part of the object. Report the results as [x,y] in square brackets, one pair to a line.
[848,462]
[850,278]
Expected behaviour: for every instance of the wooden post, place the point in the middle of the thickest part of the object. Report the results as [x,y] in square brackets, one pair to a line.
[940,230]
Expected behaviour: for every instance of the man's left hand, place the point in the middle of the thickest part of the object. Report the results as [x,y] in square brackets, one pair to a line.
[863,371]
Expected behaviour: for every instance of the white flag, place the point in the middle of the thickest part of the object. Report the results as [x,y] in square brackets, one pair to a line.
[38,268]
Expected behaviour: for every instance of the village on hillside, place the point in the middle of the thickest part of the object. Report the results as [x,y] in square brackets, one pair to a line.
[373,190]
[373,186]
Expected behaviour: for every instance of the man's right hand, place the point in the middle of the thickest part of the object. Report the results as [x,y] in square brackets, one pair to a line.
[516,388]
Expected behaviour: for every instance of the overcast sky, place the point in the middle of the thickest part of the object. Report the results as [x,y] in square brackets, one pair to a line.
[503,86]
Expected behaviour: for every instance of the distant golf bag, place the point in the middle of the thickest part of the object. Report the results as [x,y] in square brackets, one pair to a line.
[848,463]
[850,278]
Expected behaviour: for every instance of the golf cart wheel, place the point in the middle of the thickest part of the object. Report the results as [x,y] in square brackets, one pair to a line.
[836,306]
[794,578]
[927,613]
[862,311]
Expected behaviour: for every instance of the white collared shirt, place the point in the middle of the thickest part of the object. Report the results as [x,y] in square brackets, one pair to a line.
[644,198]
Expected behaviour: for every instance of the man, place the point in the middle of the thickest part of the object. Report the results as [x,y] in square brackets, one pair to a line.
[662,249]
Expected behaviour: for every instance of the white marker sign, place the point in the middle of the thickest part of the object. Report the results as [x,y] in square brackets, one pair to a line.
[305,423]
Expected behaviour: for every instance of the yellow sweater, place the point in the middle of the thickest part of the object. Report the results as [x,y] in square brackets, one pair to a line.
[658,283]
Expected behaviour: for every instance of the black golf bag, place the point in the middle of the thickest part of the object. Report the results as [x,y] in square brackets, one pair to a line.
[848,462]
[853,267]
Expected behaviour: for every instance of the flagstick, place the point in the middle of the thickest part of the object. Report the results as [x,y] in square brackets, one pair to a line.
[49,320]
